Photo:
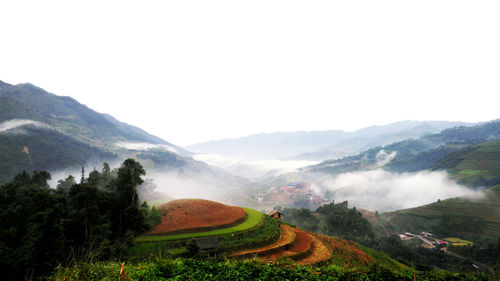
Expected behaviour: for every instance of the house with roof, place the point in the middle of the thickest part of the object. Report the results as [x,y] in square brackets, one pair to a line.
[275,214]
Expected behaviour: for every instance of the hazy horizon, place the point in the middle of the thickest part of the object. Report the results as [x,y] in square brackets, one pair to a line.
[199,71]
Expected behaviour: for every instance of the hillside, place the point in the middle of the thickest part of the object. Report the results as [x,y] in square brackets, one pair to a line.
[264,237]
[477,165]
[32,148]
[414,154]
[26,101]
[75,135]
[476,219]
[268,250]
[196,215]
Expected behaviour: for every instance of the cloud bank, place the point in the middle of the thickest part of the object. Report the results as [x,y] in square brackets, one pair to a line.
[145,146]
[16,123]
[385,191]
[253,170]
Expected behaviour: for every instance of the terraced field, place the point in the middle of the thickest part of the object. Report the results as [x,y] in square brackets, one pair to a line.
[286,239]
[259,236]
[196,215]
[252,220]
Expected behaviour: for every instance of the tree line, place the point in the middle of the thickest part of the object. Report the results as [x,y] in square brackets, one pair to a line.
[95,218]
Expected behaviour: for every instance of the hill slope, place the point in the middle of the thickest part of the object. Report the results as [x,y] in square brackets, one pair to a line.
[26,101]
[33,148]
[476,219]
[414,154]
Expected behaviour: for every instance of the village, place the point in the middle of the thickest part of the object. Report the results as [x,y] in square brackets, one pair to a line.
[293,194]
[430,242]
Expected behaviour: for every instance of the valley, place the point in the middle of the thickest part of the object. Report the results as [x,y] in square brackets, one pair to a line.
[341,198]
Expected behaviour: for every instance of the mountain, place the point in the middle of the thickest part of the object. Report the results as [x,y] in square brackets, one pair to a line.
[474,218]
[477,165]
[26,101]
[319,145]
[32,147]
[43,131]
[427,152]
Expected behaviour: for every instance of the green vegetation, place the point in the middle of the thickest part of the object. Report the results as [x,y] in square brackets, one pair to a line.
[467,152]
[459,242]
[40,149]
[266,231]
[253,219]
[476,219]
[42,227]
[189,269]
[331,219]
[477,165]
[25,101]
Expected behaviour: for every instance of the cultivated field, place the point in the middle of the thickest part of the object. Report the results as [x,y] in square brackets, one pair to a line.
[196,215]
[253,219]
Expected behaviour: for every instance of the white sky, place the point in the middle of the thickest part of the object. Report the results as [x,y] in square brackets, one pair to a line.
[191,71]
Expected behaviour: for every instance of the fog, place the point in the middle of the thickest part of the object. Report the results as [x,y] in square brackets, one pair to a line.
[253,170]
[145,146]
[76,171]
[16,123]
[385,191]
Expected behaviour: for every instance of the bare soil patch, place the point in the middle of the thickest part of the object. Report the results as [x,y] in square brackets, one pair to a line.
[320,252]
[195,215]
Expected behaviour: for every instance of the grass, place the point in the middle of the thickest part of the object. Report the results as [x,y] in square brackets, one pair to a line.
[470,172]
[469,218]
[158,202]
[459,242]
[253,219]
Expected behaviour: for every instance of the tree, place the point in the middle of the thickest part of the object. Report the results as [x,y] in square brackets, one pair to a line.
[66,183]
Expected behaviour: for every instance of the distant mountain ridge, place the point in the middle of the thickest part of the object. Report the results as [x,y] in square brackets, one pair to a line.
[320,145]
[450,150]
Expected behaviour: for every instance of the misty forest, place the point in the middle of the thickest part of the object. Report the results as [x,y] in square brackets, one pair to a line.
[86,197]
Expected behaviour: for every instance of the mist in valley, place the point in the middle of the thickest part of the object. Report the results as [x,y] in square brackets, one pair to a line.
[380,190]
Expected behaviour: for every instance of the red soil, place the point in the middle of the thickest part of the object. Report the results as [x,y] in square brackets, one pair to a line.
[348,252]
[302,244]
[192,215]
[302,241]
[320,252]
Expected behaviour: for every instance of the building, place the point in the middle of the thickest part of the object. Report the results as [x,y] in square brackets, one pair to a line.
[275,214]
[208,245]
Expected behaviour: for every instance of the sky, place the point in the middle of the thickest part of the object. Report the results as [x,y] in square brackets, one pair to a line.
[192,71]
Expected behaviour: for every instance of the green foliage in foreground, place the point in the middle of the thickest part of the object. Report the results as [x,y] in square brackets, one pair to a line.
[266,232]
[253,220]
[188,269]
[44,227]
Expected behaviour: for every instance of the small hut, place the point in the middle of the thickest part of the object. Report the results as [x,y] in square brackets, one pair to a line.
[275,214]
[208,245]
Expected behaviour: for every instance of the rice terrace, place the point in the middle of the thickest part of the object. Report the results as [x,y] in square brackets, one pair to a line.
[242,233]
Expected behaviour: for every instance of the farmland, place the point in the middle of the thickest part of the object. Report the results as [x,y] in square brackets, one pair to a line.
[196,215]
[252,220]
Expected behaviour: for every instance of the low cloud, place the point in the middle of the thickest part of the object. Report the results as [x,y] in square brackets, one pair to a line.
[253,170]
[385,191]
[10,125]
[143,146]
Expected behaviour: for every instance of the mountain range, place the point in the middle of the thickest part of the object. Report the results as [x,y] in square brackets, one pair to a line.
[44,131]
[320,145]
